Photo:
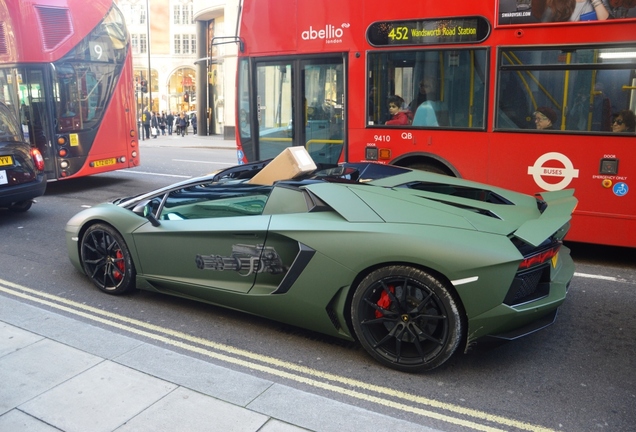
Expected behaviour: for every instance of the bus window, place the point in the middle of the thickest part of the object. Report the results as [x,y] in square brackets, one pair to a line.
[584,86]
[274,108]
[33,109]
[244,101]
[298,102]
[323,108]
[441,88]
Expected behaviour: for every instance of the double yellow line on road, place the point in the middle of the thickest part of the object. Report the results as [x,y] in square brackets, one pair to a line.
[399,400]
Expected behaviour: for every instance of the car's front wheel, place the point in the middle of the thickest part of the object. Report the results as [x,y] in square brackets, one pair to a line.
[106,259]
[406,319]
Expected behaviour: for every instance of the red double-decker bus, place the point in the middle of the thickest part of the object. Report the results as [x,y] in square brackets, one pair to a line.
[512,93]
[69,64]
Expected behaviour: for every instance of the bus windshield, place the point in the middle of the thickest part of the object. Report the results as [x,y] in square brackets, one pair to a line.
[84,79]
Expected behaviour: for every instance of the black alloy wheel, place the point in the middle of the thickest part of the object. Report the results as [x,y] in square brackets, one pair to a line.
[106,259]
[406,319]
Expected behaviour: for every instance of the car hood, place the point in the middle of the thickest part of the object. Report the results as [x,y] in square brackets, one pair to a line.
[417,197]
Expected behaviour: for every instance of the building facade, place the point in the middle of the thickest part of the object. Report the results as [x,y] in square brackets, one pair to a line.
[176,67]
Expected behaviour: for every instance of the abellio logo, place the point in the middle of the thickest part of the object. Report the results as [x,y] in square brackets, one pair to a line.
[330,33]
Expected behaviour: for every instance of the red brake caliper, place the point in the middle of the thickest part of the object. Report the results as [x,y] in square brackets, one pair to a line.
[120,265]
[384,302]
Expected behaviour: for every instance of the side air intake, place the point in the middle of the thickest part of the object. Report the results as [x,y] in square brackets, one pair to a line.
[55,26]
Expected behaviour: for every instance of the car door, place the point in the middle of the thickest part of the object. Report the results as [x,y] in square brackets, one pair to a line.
[205,242]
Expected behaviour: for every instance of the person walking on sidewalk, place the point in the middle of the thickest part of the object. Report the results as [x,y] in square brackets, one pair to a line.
[169,122]
[154,124]
[162,123]
[145,120]
[193,120]
[182,124]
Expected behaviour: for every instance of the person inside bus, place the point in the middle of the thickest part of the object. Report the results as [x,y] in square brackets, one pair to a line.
[69,112]
[371,107]
[425,87]
[399,116]
[545,118]
[427,92]
[433,110]
[625,121]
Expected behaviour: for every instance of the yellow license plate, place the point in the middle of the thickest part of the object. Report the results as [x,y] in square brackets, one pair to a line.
[104,162]
[555,259]
[6,160]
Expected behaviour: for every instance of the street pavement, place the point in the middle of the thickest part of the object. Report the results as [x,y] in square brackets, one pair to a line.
[61,374]
[190,140]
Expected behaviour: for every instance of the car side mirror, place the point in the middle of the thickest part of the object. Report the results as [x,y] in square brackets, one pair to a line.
[144,209]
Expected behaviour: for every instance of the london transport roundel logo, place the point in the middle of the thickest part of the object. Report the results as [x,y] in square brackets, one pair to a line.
[542,168]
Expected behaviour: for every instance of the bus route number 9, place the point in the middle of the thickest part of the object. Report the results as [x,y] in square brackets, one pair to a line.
[97,52]
[399,33]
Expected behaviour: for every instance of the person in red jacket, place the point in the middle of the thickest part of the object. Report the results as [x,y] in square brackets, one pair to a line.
[399,116]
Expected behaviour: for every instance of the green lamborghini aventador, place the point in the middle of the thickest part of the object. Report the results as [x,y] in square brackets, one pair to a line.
[414,265]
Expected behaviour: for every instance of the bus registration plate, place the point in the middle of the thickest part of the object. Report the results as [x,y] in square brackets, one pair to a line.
[6,160]
[104,162]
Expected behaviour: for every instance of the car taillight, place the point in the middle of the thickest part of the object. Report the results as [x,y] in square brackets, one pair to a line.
[37,159]
[540,257]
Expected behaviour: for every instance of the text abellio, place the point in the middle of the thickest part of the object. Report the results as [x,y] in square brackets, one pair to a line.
[329,32]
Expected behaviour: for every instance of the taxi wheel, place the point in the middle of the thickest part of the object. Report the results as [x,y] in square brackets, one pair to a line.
[20,207]
[406,319]
[106,259]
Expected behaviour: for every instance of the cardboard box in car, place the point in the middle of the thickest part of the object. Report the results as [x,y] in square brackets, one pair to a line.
[287,165]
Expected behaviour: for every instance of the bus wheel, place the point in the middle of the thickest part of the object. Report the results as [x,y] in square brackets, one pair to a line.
[429,167]
[20,207]
[106,259]
[406,319]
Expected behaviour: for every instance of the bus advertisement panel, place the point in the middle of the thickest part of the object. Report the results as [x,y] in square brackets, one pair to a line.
[477,92]
[535,11]
[69,64]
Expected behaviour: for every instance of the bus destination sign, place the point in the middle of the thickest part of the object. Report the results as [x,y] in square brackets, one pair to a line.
[429,31]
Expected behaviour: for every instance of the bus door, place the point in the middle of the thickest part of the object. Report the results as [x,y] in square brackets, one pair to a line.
[34,110]
[322,107]
[300,101]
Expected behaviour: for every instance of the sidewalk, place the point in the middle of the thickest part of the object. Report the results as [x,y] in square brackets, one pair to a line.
[60,374]
[190,140]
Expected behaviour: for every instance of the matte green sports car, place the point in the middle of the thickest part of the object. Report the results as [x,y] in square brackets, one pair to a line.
[414,265]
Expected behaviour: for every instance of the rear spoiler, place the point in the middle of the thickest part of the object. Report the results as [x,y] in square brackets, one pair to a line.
[560,205]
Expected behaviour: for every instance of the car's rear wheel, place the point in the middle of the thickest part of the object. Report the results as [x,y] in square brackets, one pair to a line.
[106,259]
[20,207]
[406,319]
